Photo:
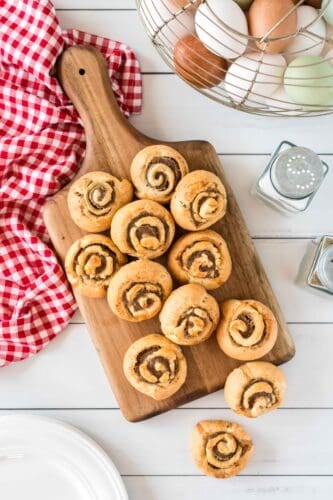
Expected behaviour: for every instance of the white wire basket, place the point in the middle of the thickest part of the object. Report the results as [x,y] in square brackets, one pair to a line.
[278,73]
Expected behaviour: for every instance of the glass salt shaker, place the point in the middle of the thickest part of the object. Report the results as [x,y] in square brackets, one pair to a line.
[291,178]
[320,275]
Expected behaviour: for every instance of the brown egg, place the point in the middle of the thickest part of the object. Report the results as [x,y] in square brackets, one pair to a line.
[183,3]
[196,64]
[263,15]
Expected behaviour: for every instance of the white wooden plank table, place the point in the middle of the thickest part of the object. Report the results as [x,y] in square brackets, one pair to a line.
[293,446]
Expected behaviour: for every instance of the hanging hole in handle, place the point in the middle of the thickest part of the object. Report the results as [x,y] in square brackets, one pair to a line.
[82,71]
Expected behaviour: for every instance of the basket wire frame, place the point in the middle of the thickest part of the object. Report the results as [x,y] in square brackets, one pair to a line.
[166,29]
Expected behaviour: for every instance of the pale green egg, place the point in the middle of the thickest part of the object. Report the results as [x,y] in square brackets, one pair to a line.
[328,12]
[308,80]
[244,4]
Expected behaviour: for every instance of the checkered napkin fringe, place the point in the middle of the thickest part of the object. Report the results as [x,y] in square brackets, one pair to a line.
[41,146]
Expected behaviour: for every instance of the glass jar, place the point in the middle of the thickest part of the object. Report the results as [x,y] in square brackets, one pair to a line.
[320,275]
[291,179]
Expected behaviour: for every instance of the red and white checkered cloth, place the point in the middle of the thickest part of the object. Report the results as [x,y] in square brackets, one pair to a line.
[41,146]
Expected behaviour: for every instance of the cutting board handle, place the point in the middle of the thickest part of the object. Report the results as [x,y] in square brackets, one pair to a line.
[82,72]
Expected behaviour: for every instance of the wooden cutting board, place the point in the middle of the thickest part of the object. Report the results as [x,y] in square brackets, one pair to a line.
[112,143]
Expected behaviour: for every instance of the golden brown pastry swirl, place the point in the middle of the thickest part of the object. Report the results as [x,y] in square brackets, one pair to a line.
[220,449]
[189,315]
[91,262]
[201,257]
[194,322]
[139,289]
[255,388]
[155,366]
[248,329]
[199,201]
[99,197]
[205,205]
[142,299]
[155,172]
[143,228]
[94,198]
[259,393]
[202,260]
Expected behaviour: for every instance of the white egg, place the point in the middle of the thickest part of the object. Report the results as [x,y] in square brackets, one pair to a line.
[311,39]
[253,77]
[222,27]
[280,102]
[329,37]
[329,56]
[327,7]
[162,22]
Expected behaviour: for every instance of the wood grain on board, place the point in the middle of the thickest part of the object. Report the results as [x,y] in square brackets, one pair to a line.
[112,143]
